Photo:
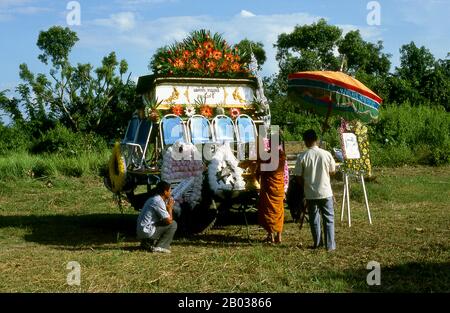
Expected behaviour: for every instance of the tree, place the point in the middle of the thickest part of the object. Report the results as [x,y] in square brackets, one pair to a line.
[361,56]
[415,63]
[79,97]
[420,79]
[321,46]
[257,48]
[10,106]
[308,47]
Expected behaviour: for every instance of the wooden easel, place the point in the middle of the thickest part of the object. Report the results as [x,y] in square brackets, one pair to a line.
[346,199]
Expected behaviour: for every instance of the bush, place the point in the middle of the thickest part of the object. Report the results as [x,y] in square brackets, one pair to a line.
[13,139]
[63,141]
[391,156]
[415,135]
[42,169]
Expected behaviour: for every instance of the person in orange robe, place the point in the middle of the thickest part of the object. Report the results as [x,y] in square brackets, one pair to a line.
[271,199]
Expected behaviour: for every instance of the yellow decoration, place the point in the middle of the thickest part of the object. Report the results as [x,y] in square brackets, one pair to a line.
[117,169]
[363,164]
[174,96]
[237,96]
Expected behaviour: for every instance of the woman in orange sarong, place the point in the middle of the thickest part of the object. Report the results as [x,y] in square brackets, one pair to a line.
[271,199]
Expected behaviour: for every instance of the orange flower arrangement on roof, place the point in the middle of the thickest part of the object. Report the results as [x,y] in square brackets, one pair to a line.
[201,55]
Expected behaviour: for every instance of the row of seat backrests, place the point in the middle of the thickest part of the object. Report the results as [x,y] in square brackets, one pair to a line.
[196,130]
[199,130]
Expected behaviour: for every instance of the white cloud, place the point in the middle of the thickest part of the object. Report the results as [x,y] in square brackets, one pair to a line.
[134,4]
[10,8]
[123,21]
[245,13]
[368,33]
[12,3]
[148,35]
[30,10]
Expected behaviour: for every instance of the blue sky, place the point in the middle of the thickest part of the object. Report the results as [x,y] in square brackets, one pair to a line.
[135,28]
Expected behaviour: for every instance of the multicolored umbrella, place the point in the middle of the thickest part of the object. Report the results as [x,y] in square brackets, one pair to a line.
[334,93]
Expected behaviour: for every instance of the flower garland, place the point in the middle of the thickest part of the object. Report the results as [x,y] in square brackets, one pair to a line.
[177,110]
[189,111]
[234,112]
[286,176]
[201,54]
[117,169]
[206,111]
[179,163]
[224,174]
[363,164]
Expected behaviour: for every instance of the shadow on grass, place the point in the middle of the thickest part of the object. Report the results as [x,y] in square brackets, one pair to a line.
[99,229]
[413,277]
[66,230]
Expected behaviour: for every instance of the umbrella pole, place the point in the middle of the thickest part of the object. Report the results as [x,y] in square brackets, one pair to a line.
[325,125]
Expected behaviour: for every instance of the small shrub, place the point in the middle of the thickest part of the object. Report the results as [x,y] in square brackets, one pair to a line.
[13,139]
[62,141]
[411,135]
[392,155]
[42,169]
[71,168]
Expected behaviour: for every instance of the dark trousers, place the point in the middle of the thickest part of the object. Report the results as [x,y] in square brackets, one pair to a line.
[163,235]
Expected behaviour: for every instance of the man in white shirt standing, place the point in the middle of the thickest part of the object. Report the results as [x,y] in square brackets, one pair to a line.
[155,224]
[313,170]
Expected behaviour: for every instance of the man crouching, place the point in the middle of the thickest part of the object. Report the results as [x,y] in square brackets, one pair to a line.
[155,224]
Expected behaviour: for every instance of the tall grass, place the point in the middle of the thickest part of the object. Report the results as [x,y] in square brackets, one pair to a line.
[411,135]
[22,164]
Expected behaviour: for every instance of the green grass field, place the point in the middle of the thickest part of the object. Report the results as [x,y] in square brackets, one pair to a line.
[46,223]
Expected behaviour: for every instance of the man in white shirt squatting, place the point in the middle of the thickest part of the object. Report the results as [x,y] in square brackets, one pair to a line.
[155,224]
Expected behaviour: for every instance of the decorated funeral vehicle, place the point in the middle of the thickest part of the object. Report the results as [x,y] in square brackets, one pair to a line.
[202,120]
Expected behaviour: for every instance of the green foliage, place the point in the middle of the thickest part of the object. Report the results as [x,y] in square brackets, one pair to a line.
[42,169]
[80,97]
[13,138]
[22,164]
[420,79]
[313,47]
[56,43]
[257,48]
[391,155]
[70,167]
[63,141]
[411,135]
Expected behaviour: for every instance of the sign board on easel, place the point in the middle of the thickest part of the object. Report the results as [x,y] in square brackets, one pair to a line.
[355,150]
[350,146]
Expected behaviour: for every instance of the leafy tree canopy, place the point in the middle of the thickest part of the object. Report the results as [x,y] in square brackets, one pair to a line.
[79,97]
